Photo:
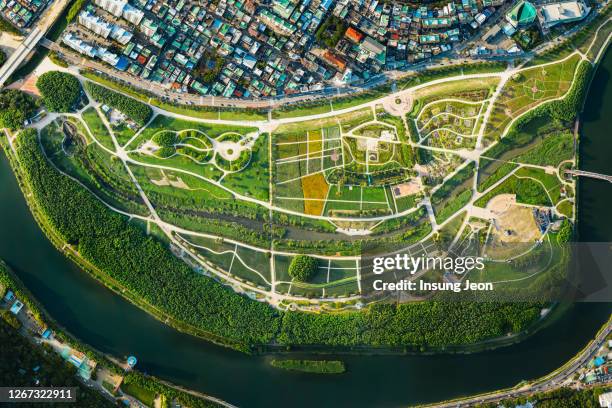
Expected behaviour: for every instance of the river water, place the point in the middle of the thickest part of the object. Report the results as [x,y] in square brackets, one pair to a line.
[107,322]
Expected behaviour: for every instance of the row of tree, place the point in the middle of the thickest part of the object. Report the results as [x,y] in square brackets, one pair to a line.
[139,262]
[137,111]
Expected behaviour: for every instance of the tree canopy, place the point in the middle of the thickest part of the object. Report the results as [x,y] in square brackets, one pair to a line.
[15,108]
[303,268]
[60,91]
[137,111]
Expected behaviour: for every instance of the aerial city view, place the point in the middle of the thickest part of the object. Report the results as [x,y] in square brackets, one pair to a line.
[305,203]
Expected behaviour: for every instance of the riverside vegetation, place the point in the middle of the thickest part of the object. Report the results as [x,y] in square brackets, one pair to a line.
[311,366]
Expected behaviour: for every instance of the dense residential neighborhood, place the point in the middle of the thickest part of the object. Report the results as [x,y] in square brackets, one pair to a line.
[255,49]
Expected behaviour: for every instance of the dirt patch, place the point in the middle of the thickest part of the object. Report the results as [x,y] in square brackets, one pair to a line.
[514,229]
[405,189]
[167,181]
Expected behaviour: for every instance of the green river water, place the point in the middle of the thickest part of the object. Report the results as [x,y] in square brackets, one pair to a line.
[112,325]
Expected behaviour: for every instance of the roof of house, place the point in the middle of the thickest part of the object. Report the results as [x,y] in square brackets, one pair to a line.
[354,35]
[334,60]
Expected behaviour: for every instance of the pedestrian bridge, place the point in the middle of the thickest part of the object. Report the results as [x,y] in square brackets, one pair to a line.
[590,174]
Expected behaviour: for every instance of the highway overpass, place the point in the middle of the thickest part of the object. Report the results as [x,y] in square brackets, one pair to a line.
[54,10]
[20,54]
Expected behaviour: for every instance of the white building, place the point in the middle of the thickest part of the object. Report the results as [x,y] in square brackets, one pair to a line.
[103,28]
[95,24]
[552,14]
[605,400]
[79,45]
[107,56]
[132,14]
[115,7]
[120,35]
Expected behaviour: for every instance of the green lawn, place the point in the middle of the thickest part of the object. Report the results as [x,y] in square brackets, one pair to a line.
[253,181]
[527,191]
[529,89]
[491,171]
[97,128]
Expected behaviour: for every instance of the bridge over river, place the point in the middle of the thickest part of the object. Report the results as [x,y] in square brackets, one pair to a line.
[582,173]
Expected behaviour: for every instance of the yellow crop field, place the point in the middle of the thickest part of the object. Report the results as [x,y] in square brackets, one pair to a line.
[315,190]
[315,142]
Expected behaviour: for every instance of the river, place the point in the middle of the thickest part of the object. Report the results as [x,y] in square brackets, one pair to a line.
[112,325]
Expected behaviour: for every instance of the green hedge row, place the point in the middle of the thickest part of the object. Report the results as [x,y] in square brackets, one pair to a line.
[137,111]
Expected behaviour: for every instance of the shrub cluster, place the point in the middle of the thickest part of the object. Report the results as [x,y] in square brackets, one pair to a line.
[139,262]
[15,108]
[311,366]
[303,268]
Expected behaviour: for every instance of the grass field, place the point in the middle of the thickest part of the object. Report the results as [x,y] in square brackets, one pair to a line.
[491,171]
[179,162]
[550,182]
[470,90]
[528,89]
[143,395]
[566,208]
[94,167]
[164,123]
[253,181]
[97,128]
[347,121]
[527,191]
[356,199]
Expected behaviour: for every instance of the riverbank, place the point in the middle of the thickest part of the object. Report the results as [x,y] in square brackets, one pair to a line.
[581,233]
[67,250]
[114,326]
[104,366]
[527,388]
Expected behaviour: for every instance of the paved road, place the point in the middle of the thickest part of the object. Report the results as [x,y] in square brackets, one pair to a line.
[452,58]
[164,92]
[548,384]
